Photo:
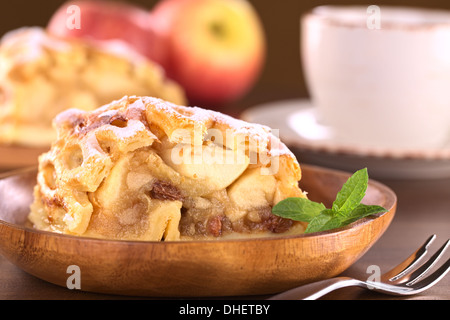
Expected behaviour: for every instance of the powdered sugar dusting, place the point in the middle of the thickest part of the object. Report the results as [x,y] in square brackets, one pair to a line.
[134,108]
[258,133]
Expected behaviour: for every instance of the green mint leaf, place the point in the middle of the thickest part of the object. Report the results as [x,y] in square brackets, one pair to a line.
[299,209]
[352,192]
[326,220]
[362,211]
[347,207]
[316,224]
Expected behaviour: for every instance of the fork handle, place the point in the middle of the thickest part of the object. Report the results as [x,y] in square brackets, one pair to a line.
[317,289]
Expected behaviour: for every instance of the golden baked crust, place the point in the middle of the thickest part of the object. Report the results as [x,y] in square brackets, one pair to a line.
[142,168]
[41,75]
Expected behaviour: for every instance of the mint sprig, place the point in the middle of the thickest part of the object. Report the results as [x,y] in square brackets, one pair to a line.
[347,207]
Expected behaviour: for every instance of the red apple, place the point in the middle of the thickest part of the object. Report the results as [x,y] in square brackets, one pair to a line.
[215,49]
[100,21]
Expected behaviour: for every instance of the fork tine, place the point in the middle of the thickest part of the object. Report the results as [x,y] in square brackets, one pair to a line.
[432,279]
[419,273]
[409,263]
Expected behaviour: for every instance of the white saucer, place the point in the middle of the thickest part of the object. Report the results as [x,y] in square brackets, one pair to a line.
[315,143]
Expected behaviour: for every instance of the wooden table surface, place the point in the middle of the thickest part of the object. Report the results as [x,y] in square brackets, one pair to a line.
[423,209]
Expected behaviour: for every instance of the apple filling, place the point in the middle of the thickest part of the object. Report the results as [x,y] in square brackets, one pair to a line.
[114,174]
[188,207]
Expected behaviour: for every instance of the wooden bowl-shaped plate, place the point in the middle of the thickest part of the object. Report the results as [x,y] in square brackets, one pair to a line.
[196,268]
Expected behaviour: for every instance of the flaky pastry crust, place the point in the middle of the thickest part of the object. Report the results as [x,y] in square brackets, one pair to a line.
[42,75]
[115,173]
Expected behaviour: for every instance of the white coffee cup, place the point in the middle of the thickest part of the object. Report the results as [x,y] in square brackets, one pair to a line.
[379,76]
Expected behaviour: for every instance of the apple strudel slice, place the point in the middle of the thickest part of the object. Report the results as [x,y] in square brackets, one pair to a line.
[142,168]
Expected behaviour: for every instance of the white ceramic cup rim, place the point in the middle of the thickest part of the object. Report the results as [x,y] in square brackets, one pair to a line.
[393,17]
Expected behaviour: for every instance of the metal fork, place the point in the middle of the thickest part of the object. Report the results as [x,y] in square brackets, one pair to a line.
[404,279]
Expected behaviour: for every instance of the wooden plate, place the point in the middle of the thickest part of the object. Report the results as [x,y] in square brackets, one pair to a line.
[191,269]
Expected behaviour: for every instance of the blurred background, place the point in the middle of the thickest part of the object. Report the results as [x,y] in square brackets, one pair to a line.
[282,76]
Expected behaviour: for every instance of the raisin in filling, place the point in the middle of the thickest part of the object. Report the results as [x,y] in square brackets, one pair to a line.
[162,190]
[212,221]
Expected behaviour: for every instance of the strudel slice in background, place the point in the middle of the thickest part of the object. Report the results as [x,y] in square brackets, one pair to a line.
[42,75]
